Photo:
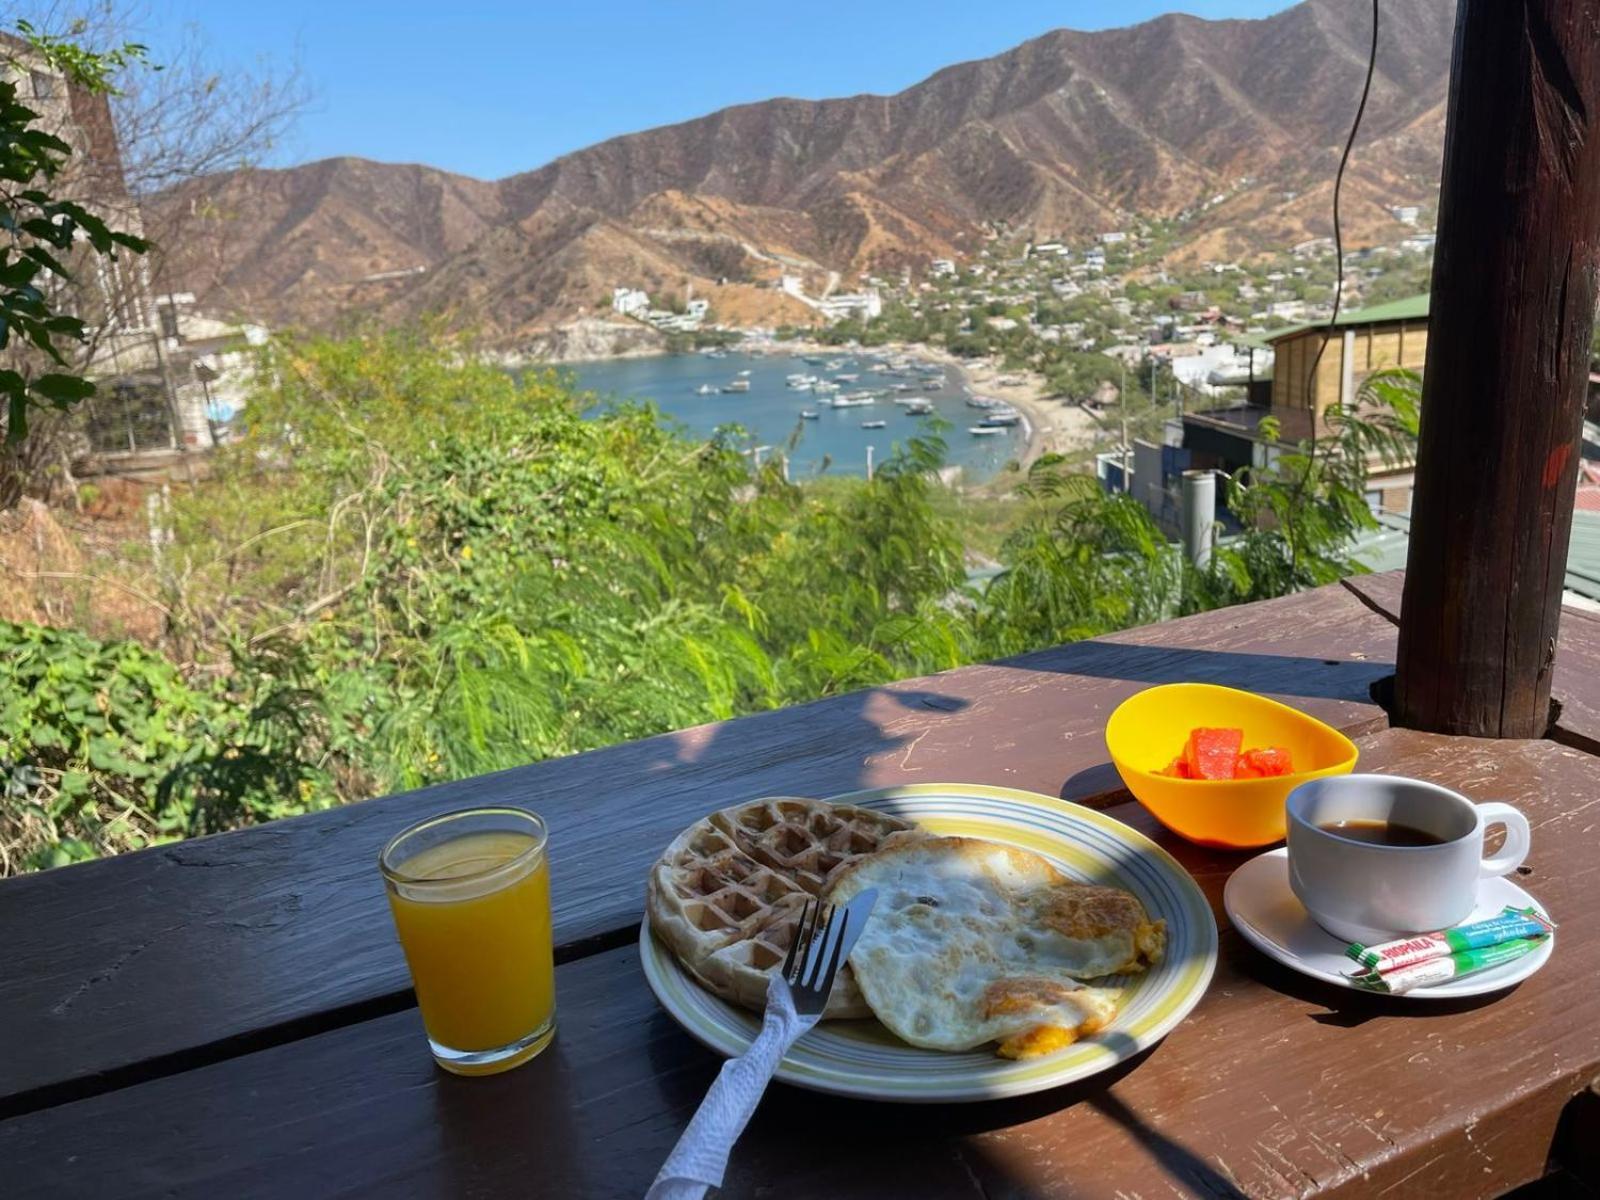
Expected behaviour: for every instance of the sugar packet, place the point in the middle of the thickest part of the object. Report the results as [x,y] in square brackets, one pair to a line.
[1440,970]
[1512,922]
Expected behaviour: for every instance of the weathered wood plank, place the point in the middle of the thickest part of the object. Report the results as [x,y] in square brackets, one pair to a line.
[1514,281]
[1274,1086]
[155,961]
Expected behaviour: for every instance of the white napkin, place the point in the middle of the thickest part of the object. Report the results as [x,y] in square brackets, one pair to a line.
[701,1155]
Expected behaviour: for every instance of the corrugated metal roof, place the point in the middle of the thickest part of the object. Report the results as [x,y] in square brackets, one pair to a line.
[1411,308]
[1384,549]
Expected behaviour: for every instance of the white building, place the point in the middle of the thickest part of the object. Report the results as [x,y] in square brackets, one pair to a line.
[862,305]
[630,302]
[1406,214]
[941,266]
[1113,237]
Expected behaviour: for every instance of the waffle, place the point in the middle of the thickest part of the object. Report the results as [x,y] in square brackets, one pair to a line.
[728,894]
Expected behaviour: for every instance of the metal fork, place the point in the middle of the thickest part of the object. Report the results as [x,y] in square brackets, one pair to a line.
[810,979]
[796,995]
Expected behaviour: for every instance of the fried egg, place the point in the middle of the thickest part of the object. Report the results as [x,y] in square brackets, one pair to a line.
[974,942]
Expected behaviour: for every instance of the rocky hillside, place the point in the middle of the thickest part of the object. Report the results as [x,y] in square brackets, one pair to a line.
[1067,134]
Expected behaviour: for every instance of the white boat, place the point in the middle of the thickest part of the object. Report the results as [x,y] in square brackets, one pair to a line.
[873,424]
[908,401]
[833,364]
[705,389]
[981,402]
[737,385]
[800,382]
[852,378]
[744,374]
[807,415]
[984,430]
[919,408]
[934,382]
[853,401]
[900,387]
[822,386]
[999,419]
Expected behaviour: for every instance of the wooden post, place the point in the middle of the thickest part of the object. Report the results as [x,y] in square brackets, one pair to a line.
[1514,281]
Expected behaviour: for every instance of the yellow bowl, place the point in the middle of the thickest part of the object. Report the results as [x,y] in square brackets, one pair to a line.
[1147,731]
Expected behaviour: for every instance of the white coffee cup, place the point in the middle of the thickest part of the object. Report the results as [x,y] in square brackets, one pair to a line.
[1366,892]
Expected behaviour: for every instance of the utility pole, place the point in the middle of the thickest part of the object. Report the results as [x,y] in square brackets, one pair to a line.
[1122,403]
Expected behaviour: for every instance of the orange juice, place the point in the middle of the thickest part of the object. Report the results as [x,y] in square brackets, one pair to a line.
[473,914]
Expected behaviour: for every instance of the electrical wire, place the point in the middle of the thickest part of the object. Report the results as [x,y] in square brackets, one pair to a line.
[1338,250]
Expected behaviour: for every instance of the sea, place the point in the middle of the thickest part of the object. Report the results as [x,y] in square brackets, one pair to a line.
[833,443]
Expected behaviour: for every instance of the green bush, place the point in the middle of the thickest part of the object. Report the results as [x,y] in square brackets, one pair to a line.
[413,566]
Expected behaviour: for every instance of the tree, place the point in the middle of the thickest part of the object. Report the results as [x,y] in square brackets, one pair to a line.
[157,128]
[42,231]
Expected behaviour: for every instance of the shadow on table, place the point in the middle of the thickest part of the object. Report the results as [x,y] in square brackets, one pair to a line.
[926,1149]
[1345,1008]
[1276,674]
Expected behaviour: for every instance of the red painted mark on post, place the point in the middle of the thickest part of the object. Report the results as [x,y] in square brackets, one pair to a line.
[1556,465]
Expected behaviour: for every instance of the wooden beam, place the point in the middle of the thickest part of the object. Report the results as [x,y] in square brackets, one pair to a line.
[1514,281]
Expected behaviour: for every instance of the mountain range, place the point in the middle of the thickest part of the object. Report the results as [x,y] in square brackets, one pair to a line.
[1069,134]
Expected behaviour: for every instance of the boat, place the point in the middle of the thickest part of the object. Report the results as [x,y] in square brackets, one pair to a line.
[822,386]
[908,401]
[900,387]
[800,382]
[807,415]
[737,385]
[833,364]
[816,360]
[705,389]
[918,408]
[744,374]
[873,424]
[981,402]
[984,430]
[714,352]
[851,378]
[934,382]
[1000,419]
[855,401]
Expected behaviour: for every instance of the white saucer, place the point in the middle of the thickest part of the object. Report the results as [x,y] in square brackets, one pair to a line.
[1266,912]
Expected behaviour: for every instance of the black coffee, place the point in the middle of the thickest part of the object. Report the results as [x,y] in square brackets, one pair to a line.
[1383,833]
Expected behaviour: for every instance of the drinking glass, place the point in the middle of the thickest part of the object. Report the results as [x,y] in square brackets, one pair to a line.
[470,893]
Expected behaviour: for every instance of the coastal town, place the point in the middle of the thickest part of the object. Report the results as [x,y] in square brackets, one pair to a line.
[1099,345]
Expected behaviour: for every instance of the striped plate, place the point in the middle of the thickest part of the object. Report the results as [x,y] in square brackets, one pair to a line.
[861,1058]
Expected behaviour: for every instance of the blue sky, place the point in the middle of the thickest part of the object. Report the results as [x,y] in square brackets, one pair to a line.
[492,87]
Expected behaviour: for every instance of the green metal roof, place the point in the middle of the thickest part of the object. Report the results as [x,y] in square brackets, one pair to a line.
[1253,341]
[1412,308]
[1384,549]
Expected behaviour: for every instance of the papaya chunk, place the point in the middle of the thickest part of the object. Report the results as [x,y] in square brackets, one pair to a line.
[1213,753]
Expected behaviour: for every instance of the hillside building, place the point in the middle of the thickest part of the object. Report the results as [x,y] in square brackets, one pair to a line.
[630,302]
[163,372]
[1280,376]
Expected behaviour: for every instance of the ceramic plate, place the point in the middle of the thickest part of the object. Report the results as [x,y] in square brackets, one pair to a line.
[861,1058]
[1264,909]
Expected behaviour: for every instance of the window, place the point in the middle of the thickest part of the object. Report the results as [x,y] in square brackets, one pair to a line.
[1374,499]
[128,415]
[44,85]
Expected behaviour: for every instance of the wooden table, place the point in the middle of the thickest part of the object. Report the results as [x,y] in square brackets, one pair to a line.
[230,1017]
